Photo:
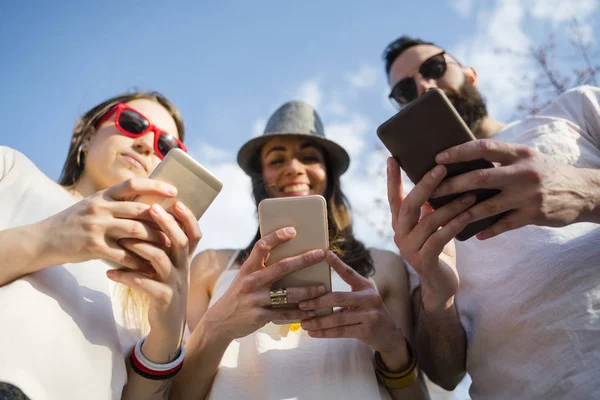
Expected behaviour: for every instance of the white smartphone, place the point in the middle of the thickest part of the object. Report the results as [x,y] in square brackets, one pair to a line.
[196,187]
[308,215]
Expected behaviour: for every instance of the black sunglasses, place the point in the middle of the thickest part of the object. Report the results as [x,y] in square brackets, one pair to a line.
[406,89]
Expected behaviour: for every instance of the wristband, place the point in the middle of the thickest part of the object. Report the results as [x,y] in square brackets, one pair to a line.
[150,370]
[396,380]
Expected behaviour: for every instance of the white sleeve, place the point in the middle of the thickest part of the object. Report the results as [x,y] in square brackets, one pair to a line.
[7,160]
[591,112]
[581,105]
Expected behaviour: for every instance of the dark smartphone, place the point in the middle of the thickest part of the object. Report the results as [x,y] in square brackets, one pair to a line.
[424,128]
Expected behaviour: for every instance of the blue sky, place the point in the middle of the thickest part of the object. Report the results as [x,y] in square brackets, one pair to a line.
[223,63]
[227,65]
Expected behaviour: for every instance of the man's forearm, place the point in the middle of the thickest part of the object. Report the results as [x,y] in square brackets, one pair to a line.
[441,343]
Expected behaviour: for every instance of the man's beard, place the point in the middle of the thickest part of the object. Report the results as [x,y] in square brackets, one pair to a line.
[469,104]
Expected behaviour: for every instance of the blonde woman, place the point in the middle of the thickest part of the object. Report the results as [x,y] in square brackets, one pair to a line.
[59,337]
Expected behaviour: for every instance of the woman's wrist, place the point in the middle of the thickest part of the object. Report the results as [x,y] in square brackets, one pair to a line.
[43,247]
[398,357]
[160,348]
[206,337]
[431,302]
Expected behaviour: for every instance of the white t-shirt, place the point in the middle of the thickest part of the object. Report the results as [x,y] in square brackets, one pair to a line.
[530,298]
[58,336]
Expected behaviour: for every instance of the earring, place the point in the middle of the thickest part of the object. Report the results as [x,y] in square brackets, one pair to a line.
[79,150]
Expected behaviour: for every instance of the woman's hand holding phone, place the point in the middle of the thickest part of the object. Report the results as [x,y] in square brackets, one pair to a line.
[246,305]
[424,236]
[362,315]
[93,227]
[167,287]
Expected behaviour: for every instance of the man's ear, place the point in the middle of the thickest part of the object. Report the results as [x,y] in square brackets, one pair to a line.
[471,75]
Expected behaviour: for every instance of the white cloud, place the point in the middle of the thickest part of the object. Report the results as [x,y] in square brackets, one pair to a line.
[349,133]
[462,7]
[207,154]
[230,221]
[366,77]
[258,127]
[506,77]
[562,11]
[584,33]
[310,92]
[499,73]
[335,107]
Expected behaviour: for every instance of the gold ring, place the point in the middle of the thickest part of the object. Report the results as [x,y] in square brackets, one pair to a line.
[278,297]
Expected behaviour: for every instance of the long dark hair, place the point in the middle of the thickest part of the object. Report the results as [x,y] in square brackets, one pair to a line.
[341,238]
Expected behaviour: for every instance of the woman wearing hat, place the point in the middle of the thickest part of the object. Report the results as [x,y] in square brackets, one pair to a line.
[360,352]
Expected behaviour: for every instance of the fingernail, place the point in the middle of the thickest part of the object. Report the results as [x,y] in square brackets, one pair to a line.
[319,253]
[312,314]
[465,217]
[179,206]
[437,171]
[321,289]
[303,305]
[290,230]
[484,235]
[171,190]
[156,209]
[443,156]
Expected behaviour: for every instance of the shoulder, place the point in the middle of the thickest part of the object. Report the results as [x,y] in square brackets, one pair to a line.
[582,91]
[390,270]
[208,265]
[574,104]
[11,159]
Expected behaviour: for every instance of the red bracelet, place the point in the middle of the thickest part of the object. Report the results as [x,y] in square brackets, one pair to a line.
[149,370]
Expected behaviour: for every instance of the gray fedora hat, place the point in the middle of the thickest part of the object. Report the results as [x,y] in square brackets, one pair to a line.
[294,118]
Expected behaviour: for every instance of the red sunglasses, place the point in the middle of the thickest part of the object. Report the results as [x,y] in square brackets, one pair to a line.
[133,124]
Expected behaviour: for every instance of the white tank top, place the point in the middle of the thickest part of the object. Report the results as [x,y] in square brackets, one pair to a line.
[277,363]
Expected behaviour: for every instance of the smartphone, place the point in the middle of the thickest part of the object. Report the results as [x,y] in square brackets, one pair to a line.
[196,187]
[308,215]
[425,127]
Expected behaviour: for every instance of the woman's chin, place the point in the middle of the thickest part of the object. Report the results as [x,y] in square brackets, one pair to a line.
[296,194]
[123,174]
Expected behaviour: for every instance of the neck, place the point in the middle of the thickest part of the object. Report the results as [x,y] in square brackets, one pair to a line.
[82,188]
[488,128]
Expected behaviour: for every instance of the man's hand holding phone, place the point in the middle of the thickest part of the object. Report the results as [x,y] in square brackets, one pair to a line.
[535,188]
[424,236]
